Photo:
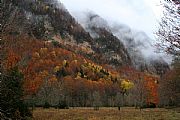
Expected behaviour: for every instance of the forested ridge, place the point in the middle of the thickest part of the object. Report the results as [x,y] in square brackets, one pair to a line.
[49,60]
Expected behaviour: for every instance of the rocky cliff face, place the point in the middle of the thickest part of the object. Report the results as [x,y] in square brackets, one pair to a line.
[39,14]
[108,44]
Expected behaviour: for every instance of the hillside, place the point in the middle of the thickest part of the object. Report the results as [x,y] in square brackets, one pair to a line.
[64,65]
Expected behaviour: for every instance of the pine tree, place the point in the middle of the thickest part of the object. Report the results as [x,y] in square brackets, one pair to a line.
[11,98]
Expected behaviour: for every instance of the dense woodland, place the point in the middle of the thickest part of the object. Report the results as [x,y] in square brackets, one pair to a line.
[39,71]
[51,72]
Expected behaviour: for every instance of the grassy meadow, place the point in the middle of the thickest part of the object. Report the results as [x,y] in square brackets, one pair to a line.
[106,114]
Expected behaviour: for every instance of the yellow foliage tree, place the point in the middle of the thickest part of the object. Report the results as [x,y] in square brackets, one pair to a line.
[126,85]
[65,63]
[56,68]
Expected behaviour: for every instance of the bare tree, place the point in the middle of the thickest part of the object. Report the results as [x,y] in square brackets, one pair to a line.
[139,93]
[119,100]
[169,41]
[169,28]
[96,100]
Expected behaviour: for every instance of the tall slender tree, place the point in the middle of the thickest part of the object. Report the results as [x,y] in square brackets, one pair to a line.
[11,98]
[169,28]
[169,41]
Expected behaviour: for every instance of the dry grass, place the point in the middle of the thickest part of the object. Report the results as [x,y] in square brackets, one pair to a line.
[105,114]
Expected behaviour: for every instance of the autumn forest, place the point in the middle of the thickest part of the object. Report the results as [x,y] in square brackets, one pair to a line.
[49,60]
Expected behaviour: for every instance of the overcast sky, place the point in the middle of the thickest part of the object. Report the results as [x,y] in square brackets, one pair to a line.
[140,15]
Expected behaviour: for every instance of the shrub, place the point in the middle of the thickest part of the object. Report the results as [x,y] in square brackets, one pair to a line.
[46,105]
[63,105]
[55,43]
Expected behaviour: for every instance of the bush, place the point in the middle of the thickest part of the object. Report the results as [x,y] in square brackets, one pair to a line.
[24,111]
[46,105]
[63,105]
[55,43]
[151,105]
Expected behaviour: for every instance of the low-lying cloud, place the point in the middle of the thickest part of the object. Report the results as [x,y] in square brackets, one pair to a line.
[135,13]
[125,19]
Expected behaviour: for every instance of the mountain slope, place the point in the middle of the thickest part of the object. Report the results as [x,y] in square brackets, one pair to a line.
[141,50]
[45,19]
[137,44]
